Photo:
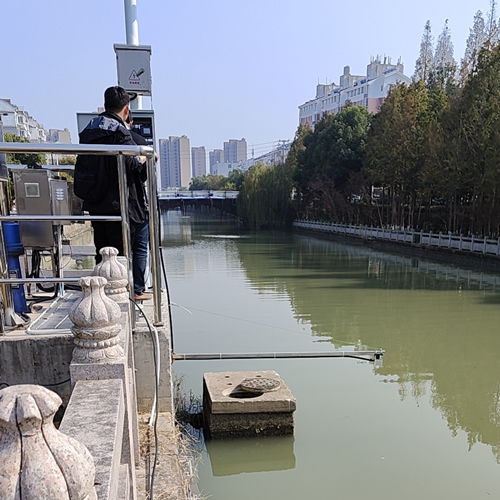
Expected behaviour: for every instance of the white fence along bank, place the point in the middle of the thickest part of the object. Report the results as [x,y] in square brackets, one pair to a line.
[449,241]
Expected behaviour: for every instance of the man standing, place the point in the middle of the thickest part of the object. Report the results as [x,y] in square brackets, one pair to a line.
[96,180]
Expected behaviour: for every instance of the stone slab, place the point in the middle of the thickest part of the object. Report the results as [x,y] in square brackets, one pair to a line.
[43,360]
[95,417]
[222,396]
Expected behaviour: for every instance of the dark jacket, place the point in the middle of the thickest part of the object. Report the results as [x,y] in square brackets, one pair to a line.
[96,177]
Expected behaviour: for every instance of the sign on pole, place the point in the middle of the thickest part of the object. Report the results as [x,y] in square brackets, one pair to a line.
[133,63]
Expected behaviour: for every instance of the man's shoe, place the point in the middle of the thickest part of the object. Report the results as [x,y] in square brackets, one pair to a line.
[143,296]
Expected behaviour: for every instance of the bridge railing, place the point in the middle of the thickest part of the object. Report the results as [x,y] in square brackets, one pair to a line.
[172,194]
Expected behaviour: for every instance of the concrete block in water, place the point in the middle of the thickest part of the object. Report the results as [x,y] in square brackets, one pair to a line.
[229,411]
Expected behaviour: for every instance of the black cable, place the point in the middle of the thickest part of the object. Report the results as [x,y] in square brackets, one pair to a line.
[170,321]
[157,395]
[57,383]
[358,357]
[164,272]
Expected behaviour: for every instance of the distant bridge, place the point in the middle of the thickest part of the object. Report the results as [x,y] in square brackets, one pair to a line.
[172,199]
[171,194]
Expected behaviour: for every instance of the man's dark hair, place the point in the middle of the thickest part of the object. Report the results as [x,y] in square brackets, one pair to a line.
[115,98]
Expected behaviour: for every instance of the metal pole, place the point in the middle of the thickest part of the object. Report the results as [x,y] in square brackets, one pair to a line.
[377,354]
[131,23]
[132,37]
[122,184]
[5,289]
[154,240]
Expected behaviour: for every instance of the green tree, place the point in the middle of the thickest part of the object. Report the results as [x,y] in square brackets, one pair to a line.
[264,199]
[473,126]
[22,158]
[207,182]
[67,160]
[398,154]
[234,180]
[331,158]
[424,66]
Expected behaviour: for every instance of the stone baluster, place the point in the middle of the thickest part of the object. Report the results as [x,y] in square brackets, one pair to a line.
[96,326]
[115,273]
[37,461]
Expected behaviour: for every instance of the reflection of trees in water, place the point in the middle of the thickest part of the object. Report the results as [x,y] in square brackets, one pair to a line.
[443,344]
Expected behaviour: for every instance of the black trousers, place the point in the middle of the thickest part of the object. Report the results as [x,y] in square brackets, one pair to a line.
[107,234]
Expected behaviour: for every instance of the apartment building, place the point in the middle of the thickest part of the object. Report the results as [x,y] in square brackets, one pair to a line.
[198,161]
[235,150]
[175,164]
[368,90]
[61,136]
[214,157]
[19,122]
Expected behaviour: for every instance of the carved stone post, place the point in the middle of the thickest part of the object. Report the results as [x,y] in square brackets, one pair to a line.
[37,461]
[96,324]
[116,274]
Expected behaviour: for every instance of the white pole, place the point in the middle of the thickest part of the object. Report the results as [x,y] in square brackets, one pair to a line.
[132,34]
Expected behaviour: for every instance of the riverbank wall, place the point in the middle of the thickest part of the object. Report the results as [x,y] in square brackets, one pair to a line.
[472,255]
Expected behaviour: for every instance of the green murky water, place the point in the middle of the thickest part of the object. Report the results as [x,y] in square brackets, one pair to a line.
[426,425]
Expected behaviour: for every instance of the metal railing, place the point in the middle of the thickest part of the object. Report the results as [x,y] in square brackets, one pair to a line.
[473,244]
[107,150]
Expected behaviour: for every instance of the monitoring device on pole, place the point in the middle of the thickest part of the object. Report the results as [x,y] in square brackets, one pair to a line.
[133,63]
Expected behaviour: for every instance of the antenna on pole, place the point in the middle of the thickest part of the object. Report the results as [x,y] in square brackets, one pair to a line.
[132,37]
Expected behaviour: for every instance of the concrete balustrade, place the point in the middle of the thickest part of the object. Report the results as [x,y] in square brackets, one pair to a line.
[39,462]
[96,326]
[104,352]
[115,273]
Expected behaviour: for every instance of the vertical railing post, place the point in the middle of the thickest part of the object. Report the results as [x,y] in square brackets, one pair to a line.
[154,240]
[122,185]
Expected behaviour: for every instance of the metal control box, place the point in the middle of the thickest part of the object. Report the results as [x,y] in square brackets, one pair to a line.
[39,193]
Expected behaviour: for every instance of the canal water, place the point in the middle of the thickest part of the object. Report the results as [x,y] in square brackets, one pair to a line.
[425,425]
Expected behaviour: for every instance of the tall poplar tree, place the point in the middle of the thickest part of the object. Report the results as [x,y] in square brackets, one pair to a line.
[424,66]
[445,66]
[475,42]
[492,32]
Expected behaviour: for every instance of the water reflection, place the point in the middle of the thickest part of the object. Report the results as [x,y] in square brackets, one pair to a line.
[398,303]
[251,455]
[438,325]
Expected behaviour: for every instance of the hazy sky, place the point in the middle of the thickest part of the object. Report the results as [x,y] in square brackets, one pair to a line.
[222,68]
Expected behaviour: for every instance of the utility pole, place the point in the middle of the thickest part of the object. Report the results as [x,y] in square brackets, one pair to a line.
[132,37]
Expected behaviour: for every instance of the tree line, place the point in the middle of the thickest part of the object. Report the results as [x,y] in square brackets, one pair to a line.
[430,159]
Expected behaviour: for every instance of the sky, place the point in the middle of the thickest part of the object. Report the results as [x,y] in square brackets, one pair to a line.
[221,69]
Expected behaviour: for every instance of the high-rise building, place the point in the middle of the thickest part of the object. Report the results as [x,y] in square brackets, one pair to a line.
[235,151]
[214,157]
[175,168]
[198,161]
